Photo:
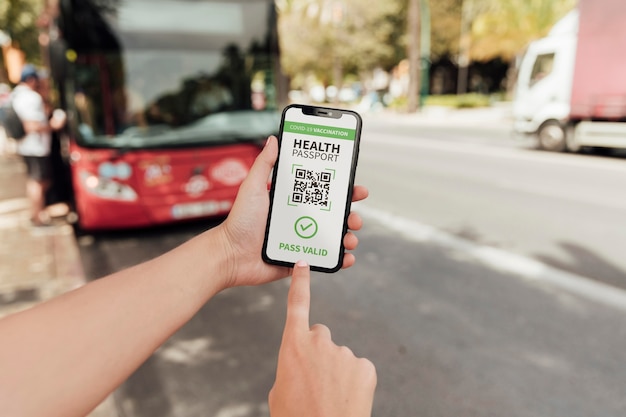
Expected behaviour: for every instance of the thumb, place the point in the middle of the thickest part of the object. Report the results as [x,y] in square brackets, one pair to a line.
[299,298]
[260,171]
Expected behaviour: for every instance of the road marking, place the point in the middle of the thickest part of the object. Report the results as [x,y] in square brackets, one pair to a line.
[472,148]
[501,260]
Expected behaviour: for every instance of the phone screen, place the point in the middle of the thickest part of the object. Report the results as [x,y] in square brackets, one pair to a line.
[312,187]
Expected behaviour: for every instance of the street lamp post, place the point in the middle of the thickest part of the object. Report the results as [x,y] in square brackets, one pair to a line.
[424,51]
[413,53]
[418,22]
[464,46]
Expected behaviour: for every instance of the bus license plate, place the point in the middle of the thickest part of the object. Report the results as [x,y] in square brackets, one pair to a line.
[199,209]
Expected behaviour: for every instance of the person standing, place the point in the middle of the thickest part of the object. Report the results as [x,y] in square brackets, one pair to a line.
[35,146]
[5,97]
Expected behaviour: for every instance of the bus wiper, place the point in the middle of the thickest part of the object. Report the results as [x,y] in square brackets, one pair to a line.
[122,150]
[146,131]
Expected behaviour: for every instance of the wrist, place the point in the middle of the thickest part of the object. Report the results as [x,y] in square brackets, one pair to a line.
[222,253]
[204,262]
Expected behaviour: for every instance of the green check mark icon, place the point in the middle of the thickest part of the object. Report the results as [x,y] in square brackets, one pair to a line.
[305,227]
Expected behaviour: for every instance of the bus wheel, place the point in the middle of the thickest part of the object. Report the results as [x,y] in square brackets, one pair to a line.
[552,137]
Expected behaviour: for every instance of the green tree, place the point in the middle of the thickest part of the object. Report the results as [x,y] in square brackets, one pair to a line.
[18,19]
[332,38]
[505,27]
[445,28]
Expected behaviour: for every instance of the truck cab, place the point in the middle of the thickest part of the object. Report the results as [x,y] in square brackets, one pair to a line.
[543,92]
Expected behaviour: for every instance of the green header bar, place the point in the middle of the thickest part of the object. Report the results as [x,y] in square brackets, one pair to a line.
[319,130]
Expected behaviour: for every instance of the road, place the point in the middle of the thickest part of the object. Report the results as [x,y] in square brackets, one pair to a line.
[487,284]
[561,209]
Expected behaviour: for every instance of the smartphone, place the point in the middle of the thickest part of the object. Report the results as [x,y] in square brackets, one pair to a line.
[311,189]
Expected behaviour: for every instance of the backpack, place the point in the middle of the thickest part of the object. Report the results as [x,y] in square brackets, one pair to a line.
[12,123]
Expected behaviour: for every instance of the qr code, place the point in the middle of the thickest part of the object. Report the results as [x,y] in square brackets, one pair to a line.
[311,187]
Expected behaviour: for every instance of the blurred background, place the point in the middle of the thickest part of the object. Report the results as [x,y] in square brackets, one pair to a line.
[490,276]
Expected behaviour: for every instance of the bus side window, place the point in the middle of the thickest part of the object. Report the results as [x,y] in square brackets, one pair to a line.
[542,68]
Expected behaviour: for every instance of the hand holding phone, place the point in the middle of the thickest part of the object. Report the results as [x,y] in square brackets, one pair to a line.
[312,187]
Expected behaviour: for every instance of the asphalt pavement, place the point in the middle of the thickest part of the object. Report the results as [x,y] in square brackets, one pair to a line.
[41,263]
[449,297]
[456,334]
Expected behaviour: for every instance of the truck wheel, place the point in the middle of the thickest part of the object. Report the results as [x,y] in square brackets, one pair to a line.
[571,143]
[552,137]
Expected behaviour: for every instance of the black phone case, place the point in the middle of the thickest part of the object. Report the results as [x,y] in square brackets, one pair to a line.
[322,112]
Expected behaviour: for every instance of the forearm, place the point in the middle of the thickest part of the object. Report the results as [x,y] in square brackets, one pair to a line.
[36,127]
[64,356]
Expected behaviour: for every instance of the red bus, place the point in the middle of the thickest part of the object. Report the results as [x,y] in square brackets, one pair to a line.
[168,102]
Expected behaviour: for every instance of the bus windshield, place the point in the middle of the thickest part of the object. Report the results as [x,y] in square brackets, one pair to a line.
[166,73]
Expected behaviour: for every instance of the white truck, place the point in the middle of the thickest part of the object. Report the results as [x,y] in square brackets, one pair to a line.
[571,86]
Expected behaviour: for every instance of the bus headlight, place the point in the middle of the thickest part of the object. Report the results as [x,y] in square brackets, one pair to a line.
[107,188]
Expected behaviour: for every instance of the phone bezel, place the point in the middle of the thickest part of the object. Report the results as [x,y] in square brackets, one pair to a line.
[322,112]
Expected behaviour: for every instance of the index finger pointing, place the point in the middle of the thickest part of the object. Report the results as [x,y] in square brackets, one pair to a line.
[299,298]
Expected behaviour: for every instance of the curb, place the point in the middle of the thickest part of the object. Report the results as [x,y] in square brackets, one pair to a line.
[495,117]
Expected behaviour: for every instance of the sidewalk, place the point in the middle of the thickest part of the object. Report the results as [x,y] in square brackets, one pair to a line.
[498,116]
[36,263]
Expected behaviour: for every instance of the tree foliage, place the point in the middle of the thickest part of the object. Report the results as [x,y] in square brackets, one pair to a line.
[445,18]
[326,36]
[332,38]
[318,35]
[503,28]
[18,19]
